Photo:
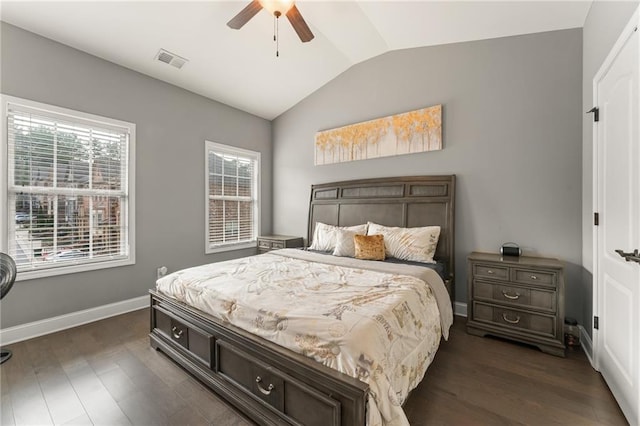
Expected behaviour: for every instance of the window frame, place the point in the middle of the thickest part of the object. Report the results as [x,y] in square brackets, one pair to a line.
[240,152]
[82,118]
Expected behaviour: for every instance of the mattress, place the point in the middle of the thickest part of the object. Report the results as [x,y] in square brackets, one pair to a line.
[381,323]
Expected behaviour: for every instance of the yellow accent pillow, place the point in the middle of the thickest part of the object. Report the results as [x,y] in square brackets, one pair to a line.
[369,247]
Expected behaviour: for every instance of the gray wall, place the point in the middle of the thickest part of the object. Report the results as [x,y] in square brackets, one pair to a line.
[172,125]
[603,26]
[512,134]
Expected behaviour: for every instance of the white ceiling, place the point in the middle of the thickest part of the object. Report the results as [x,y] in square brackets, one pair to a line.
[239,67]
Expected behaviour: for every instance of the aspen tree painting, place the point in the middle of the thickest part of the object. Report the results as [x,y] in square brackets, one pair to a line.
[407,133]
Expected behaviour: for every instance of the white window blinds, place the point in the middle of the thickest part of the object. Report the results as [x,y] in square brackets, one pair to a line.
[67,188]
[232,200]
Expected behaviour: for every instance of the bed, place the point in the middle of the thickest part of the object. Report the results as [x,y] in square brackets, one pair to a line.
[273,333]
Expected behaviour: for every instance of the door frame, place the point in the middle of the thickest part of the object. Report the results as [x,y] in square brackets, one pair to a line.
[632,26]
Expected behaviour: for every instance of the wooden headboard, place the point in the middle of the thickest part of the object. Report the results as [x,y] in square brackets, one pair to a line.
[409,201]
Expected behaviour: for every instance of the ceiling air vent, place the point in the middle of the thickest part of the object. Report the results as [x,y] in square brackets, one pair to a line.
[171,58]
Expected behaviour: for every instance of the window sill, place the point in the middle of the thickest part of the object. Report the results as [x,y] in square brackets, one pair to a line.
[24,275]
[230,247]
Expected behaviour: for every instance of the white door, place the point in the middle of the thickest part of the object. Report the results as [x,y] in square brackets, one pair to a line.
[617,199]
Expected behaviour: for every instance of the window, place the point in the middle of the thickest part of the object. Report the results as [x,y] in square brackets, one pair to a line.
[68,184]
[232,176]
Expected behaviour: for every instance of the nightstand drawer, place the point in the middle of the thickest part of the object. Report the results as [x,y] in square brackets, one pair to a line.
[518,296]
[264,244]
[533,277]
[492,272]
[540,324]
[277,245]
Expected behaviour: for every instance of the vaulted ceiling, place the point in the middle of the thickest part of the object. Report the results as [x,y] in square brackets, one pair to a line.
[240,68]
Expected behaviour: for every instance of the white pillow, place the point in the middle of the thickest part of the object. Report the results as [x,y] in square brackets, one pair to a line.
[413,244]
[324,236]
[345,244]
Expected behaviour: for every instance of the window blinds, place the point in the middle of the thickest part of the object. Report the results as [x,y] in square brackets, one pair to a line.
[232,200]
[67,189]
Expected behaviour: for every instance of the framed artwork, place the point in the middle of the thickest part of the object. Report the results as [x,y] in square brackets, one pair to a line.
[406,133]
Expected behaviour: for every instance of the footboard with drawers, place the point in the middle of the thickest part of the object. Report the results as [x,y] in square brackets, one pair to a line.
[269,384]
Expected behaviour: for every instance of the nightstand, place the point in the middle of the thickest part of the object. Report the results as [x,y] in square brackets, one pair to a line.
[518,298]
[273,242]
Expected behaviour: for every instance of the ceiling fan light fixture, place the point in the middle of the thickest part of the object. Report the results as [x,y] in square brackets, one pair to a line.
[276,8]
[280,6]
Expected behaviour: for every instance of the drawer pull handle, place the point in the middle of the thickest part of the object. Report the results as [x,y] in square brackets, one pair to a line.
[177,333]
[264,391]
[510,321]
[511,296]
[533,277]
[489,271]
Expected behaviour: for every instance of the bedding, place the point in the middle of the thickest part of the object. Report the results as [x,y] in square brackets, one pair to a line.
[414,244]
[438,266]
[375,321]
[345,246]
[324,236]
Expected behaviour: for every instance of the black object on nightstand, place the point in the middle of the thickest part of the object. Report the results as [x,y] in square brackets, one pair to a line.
[518,298]
[274,242]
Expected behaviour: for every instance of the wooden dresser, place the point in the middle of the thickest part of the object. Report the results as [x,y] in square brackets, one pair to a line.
[519,298]
[273,242]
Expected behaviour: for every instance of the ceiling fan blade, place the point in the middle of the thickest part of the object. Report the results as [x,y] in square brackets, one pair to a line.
[298,23]
[245,14]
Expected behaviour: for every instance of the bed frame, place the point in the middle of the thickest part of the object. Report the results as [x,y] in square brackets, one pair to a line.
[273,385]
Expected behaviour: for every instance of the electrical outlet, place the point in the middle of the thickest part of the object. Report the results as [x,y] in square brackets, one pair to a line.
[161,271]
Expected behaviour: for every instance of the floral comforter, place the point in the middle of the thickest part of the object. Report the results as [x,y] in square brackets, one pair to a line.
[379,322]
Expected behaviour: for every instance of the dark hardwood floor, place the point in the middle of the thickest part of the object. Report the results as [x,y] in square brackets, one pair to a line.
[106,373]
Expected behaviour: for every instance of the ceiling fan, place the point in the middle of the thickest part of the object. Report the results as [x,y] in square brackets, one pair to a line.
[277,8]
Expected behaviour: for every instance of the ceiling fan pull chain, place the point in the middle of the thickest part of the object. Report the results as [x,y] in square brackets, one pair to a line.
[276,31]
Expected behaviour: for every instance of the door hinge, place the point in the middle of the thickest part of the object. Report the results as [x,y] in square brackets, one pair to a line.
[596,323]
[596,113]
[596,219]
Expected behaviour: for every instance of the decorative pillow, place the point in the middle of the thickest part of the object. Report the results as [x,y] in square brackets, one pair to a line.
[414,244]
[369,247]
[345,246]
[324,236]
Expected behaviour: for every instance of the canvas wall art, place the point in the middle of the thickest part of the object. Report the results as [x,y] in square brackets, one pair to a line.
[407,133]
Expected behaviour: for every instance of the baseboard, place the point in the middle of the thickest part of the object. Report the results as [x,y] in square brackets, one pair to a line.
[460,309]
[587,345]
[30,330]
